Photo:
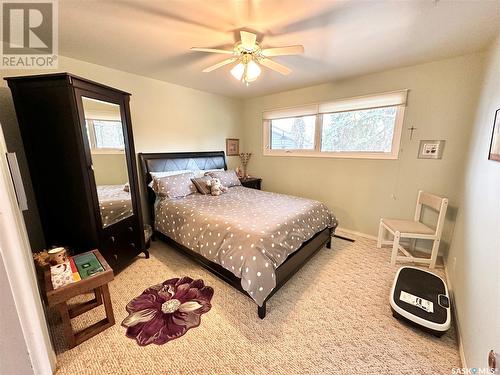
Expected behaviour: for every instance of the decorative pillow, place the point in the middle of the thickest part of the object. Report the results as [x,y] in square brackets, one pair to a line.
[175,186]
[201,184]
[155,175]
[227,178]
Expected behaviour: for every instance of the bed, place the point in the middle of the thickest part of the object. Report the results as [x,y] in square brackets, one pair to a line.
[253,240]
[114,202]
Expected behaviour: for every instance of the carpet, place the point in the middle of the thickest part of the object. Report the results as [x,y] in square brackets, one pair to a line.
[332,317]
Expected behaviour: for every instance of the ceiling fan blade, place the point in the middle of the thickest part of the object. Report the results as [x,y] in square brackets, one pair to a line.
[275,66]
[219,65]
[282,51]
[212,50]
[164,11]
[248,39]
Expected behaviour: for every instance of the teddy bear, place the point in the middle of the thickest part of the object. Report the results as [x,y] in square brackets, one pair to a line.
[216,187]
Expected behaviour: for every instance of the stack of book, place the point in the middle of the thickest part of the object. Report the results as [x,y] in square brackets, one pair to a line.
[87,264]
[74,271]
[77,268]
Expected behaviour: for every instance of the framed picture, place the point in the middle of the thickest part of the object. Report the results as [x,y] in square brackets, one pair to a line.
[495,138]
[232,146]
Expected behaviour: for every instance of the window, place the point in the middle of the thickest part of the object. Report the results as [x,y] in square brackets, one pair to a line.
[367,130]
[293,133]
[105,135]
[363,127]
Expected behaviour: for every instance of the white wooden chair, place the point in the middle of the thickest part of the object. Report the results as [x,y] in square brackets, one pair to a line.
[415,229]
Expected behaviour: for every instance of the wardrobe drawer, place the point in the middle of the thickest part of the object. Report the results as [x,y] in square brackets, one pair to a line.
[122,241]
[129,241]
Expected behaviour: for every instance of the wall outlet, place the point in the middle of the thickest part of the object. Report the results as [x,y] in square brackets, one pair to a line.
[431,149]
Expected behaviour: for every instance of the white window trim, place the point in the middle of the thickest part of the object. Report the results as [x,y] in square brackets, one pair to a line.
[322,108]
[107,151]
[97,150]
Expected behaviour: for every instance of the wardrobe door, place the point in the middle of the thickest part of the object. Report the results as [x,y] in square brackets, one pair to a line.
[111,167]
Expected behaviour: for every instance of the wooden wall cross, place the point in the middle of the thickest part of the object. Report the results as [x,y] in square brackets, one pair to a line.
[412,129]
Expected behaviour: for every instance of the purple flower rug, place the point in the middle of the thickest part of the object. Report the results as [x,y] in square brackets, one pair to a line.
[166,311]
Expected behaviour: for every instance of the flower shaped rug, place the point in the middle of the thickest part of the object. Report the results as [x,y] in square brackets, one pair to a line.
[167,311]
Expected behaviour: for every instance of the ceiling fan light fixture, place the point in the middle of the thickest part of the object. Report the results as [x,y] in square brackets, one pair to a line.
[246,71]
[238,71]
[249,55]
[253,71]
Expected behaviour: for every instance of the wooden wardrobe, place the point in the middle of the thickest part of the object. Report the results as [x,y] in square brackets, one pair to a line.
[78,140]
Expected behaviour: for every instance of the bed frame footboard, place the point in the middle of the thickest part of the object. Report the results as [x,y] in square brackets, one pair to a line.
[261,311]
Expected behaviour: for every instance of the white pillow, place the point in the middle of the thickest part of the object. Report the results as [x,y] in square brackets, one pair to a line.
[203,172]
[169,173]
[197,173]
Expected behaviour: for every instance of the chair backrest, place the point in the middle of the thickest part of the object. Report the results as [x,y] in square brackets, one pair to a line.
[435,202]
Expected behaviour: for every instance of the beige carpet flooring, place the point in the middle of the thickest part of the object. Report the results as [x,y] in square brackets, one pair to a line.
[332,317]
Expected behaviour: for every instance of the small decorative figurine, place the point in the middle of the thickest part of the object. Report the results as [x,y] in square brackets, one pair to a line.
[216,187]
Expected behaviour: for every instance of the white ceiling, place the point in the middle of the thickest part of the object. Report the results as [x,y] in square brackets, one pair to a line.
[341,38]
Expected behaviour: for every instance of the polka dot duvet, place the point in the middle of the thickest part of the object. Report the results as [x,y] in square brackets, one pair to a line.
[249,232]
[115,204]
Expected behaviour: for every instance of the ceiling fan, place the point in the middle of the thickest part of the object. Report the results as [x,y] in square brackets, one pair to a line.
[248,55]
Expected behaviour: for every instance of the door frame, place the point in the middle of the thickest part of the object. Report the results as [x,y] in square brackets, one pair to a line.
[16,253]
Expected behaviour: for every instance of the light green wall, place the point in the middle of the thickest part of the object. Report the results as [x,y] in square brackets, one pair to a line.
[474,258]
[441,104]
[110,169]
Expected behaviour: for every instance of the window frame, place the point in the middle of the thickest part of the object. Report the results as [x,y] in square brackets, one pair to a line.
[316,152]
[93,142]
[298,150]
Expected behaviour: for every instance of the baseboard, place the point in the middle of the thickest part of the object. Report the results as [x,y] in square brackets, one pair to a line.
[354,233]
[422,250]
[456,322]
[370,237]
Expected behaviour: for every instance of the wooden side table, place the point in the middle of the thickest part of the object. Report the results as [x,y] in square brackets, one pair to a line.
[97,283]
[251,182]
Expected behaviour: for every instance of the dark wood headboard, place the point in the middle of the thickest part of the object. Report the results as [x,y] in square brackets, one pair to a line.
[176,161]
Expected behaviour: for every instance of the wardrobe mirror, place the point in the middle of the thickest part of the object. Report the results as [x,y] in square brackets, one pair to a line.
[109,161]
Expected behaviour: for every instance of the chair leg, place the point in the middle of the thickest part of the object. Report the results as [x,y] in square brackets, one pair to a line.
[434,253]
[413,241]
[380,234]
[395,247]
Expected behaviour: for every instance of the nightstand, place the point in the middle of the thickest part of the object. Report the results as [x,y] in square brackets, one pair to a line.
[96,283]
[251,182]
